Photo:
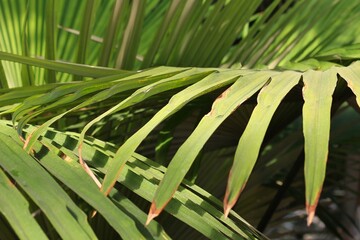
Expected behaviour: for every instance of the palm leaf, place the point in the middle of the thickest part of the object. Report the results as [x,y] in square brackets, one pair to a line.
[316,109]
[15,209]
[136,171]
[310,45]
[21,169]
[250,142]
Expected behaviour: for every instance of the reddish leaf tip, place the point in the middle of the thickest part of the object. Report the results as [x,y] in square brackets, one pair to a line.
[153,213]
[227,205]
[88,170]
[227,209]
[150,217]
[310,210]
[310,217]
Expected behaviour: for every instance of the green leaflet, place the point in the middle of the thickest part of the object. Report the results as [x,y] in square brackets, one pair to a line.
[69,93]
[27,72]
[150,55]
[3,80]
[73,176]
[249,145]
[85,31]
[15,208]
[317,92]
[344,53]
[223,106]
[44,191]
[351,75]
[117,17]
[131,39]
[290,34]
[50,37]
[17,95]
[164,83]
[142,176]
[73,68]
[209,83]
[192,205]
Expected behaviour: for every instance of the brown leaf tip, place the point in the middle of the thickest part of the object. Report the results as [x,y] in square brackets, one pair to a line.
[153,213]
[310,218]
[228,205]
[310,210]
[227,209]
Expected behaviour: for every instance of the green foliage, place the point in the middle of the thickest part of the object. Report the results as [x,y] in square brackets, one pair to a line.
[162,103]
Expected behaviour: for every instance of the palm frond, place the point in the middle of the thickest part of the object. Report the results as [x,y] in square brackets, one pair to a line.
[180,82]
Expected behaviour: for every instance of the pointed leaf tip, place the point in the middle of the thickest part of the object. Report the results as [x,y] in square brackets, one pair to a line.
[153,213]
[310,217]
[228,205]
[87,169]
[149,218]
[227,209]
[310,210]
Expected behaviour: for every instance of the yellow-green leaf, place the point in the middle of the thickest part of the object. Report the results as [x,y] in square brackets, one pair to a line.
[317,92]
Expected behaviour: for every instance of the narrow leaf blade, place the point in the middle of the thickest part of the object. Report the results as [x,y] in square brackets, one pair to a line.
[15,208]
[317,93]
[50,37]
[223,106]
[72,175]
[250,142]
[351,75]
[211,82]
[44,191]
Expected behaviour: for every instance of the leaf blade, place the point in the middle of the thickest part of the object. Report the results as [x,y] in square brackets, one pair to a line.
[72,175]
[223,106]
[176,102]
[50,37]
[22,168]
[351,75]
[317,92]
[250,142]
[72,68]
[15,208]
